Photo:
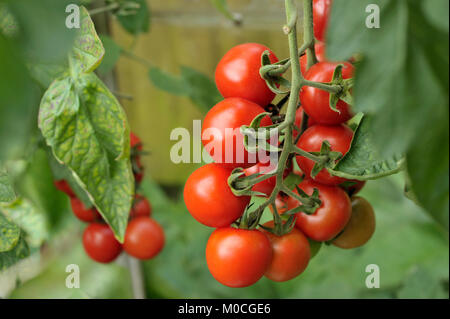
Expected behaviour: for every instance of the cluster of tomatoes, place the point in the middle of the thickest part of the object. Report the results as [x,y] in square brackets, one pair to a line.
[239,257]
[144,237]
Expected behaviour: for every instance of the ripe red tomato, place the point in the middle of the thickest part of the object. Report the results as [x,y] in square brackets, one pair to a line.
[319,49]
[209,199]
[316,102]
[332,215]
[299,119]
[267,185]
[237,74]
[238,257]
[100,244]
[141,207]
[321,12]
[82,213]
[221,133]
[339,137]
[291,254]
[64,187]
[360,227]
[135,141]
[144,238]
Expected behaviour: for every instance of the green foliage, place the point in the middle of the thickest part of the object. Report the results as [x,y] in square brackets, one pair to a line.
[190,83]
[112,54]
[6,189]
[137,22]
[87,130]
[365,161]
[11,257]
[222,7]
[402,80]
[9,234]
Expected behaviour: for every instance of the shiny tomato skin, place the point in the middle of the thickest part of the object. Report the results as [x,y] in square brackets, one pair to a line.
[339,137]
[209,199]
[100,244]
[144,238]
[221,121]
[321,13]
[316,102]
[141,207]
[360,227]
[64,187]
[319,49]
[237,74]
[291,254]
[82,213]
[330,218]
[238,257]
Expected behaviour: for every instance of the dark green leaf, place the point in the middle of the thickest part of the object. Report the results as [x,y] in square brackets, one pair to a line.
[138,22]
[168,82]
[9,234]
[87,130]
[364,161]
[112,54]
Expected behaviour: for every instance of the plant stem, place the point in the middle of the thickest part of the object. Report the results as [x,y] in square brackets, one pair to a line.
[137,278]
[308,34]
[110,7]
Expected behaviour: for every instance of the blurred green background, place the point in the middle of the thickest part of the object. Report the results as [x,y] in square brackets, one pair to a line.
[408,246]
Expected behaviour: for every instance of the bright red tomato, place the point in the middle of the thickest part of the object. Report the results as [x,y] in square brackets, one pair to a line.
[141,207]
[291,254]
[209,199]
[361,226]
[220,132]
[144,238]
[339,137]
[237,74]
[238,257]
[135,141]
[321,12]
[64,187]
[100,244]
[82,213]
[316,102]
[332,215]
[319,49]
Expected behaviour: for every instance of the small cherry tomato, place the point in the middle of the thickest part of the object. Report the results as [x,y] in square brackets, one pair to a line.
[360,227]
[64,187]
[330,218]
[100,244]
[316,102]
[339,137]
[82,213]
[238,257]
[221,134]
[291,254]
[141,207]
[321,13]
[237,74]
[319,49]
[144,238]
[209,199]
[135,142]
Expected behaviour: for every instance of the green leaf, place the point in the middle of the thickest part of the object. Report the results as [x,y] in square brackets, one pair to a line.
[136,23]
[222,7]
[191,83]
[88,132]
[8,24]
[7,194]
[25,215]
[9,234]
[363,161]
[167,82]
[87,51]
[112,54]
[19,252]
[45,73]
[402,80]
[421,284]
